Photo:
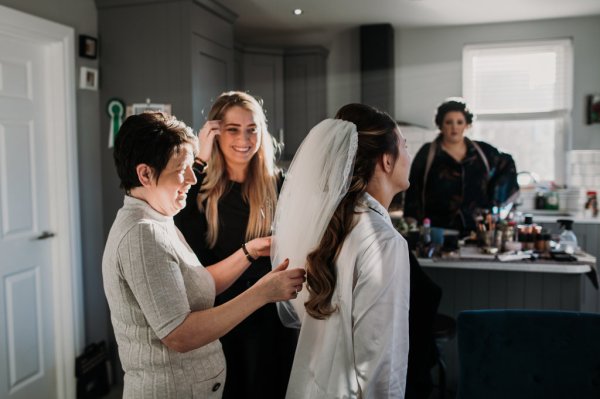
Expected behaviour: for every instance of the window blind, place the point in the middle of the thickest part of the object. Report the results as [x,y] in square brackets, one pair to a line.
[524,77]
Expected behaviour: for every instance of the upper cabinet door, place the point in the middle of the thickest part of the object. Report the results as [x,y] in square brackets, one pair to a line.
[305,94]
[262,76]
[212,58]
[212,74]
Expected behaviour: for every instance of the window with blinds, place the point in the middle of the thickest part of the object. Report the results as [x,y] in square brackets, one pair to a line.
[522,96]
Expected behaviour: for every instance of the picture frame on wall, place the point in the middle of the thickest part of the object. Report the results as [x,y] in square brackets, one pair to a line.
[88,47]
[593,109]
[148,106]
[88,78]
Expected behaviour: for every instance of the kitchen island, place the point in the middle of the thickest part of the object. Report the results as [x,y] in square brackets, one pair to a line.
[484,283]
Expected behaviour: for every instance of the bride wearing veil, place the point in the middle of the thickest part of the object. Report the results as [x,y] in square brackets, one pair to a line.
[332,219]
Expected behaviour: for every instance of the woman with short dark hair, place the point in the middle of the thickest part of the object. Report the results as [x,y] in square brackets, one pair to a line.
[453,178]
[160,297]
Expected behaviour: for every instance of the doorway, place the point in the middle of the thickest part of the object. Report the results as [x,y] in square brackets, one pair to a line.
[40,255]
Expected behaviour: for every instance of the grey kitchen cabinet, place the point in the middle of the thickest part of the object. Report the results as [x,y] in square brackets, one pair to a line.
[179,52]
[212,74]
[305,102]
[292,83]
[261,74]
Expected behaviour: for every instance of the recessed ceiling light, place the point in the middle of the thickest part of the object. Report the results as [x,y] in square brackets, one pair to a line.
[297,11]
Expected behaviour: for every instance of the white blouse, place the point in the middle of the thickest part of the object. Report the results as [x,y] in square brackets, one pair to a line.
[361,350]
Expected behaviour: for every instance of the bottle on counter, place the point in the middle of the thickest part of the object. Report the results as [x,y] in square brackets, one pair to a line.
[426,234]
[527,226]
[540,200]
[510,239]
[552,202]
[527,241]
[567,241]
[591,204]
[542,242]
[425,247]
[499,235]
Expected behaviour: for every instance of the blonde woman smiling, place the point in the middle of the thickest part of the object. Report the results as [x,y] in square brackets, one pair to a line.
[232,204]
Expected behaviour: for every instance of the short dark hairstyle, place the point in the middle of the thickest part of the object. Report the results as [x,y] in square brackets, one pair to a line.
[450,105]
[150,138]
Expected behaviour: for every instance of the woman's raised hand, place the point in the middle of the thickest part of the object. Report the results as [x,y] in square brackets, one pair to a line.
[281,284]
[259,247]
[206,137]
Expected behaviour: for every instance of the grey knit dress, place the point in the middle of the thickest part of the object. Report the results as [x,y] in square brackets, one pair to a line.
[152,281]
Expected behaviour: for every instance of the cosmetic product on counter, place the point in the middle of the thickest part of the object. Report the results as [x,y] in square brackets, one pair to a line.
[567,241]
[591,205]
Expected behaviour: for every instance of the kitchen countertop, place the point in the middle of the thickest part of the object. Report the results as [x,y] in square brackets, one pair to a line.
[547,216]
[541,216]
[584,264]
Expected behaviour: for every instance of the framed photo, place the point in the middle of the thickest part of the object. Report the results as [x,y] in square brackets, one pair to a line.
[138,108]
[88,78]
[88,47]
[593,109]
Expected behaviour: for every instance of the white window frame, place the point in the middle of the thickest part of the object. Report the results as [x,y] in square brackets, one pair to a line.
[563,137]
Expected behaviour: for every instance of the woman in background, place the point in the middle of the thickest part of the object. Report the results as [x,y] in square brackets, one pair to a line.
[354,320]
[233,203]
[453,178]
[160,297]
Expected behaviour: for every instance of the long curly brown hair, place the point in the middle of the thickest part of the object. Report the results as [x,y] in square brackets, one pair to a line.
[376,136]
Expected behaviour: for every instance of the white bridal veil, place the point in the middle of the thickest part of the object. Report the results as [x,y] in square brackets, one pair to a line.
[317,180]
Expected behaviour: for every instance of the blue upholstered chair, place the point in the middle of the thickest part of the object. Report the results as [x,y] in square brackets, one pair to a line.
[528,354]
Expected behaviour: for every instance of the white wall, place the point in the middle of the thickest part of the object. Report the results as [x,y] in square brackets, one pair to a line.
[428,66]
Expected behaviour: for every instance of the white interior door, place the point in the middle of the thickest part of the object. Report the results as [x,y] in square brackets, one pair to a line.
[27,342]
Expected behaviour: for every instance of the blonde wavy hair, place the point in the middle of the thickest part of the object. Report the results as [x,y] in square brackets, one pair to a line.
[259,190]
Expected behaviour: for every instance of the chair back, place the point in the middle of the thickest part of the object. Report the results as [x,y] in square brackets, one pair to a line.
[528,354]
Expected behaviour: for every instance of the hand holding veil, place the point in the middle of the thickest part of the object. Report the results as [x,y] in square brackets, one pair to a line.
[317,180]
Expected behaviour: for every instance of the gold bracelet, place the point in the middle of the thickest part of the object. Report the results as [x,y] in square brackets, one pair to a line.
[248,256]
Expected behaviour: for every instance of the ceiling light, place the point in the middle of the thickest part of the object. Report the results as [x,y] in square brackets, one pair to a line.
[297,11]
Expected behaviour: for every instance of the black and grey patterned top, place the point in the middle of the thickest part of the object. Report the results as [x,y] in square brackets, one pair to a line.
[456,191]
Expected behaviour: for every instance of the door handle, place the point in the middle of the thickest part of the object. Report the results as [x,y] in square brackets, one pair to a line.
[44,235]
